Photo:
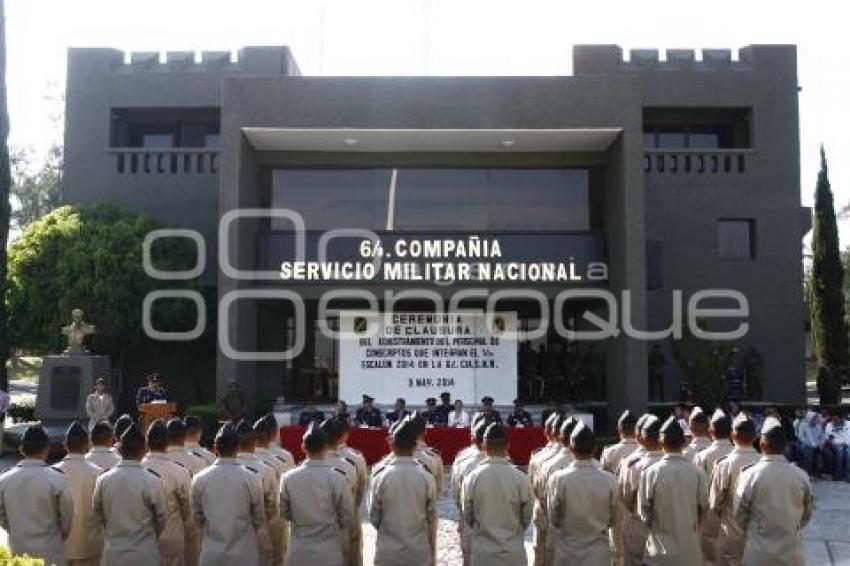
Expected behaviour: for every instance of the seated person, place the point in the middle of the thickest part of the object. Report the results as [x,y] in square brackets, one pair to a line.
[398,413]
[810,436]
[311,415]
[458,417]
[368,415]
[519,416]
[342,412]
[444,409]
[487,412]
[429,413]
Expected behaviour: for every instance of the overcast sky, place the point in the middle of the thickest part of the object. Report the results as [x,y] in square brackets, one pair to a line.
[436,37]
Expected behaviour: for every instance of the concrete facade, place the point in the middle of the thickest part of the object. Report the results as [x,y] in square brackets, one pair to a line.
[673,212]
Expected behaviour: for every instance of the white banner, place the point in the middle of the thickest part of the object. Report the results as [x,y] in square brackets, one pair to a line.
[420,355]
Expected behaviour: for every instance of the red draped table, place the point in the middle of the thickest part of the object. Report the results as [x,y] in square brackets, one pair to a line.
[372,442]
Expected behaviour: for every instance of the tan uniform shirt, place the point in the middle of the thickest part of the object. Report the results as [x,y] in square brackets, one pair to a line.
[582,504]
[773,502]
[269,487]
[710,526]
[318,502]
[460,469]
[178,487]
[200,452]
[613,455]
[129,501]
[553,452]
[672,499]
[432,460]
[277,527]
[697,445]
[497,505]
[185,458]
[634,531]
[37,510]
[103,457]
[362,477]
[85,541]
[730,546]
[403,510]
[227,504]
[99,407]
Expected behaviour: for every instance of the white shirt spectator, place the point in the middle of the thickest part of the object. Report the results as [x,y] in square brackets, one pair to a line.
[458,419]
[810,430]
[838,433]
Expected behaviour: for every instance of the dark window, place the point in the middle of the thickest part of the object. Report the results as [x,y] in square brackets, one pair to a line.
[696,128]
[436,199]
[736,238]
[164,127]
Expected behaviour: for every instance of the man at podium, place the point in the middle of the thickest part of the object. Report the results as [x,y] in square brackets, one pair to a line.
[155,391]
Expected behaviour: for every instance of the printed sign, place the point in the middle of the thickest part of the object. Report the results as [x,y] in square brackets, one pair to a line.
[420,355]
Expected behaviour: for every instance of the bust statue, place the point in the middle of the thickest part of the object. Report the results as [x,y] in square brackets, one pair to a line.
[76,333]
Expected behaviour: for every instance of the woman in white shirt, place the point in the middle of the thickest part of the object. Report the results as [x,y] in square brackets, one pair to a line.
[99,405]
[458,418]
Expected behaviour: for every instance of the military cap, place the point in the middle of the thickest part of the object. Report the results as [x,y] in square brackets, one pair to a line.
[157,433]
[627,418]
[367,398]
[651,426]
[772,428]
[430,401]
[133,435]
[226,438]
[581,433]
[717,415]
[487,400]
[245,431]
[568,426]
[76,431]
[495,432]
[406,431]
[445,395]
[479,429]
[34,434]
[672,430]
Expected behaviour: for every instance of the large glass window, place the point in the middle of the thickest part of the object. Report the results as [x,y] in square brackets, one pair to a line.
[436,199]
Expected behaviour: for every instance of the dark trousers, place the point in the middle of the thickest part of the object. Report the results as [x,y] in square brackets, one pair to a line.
[816,460]
[840,454]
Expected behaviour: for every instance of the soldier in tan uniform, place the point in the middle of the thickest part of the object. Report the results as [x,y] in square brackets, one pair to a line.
[698,426]
[269,486]
[318,502]
[227,504]
[177,483]
[36,504]
[583,505]
[281,454]
[177,449]
[672,500]
[429,457]
[101,454]
[129,500]
[541,523]
[334,430]
[194,433]
[473,447]
[362,476]
[632,469]
[773,502]
[612,455]
[277,530]
[720,429]
[460,469]
[403,505]
[730,544]
[85,541]
[558,460]
[497,505]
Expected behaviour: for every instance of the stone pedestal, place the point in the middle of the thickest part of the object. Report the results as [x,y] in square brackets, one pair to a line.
[64,383]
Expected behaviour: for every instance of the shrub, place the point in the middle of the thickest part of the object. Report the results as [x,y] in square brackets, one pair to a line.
[21,412]
[8,559]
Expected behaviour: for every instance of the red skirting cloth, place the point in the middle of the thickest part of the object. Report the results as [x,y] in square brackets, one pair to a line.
[449,441]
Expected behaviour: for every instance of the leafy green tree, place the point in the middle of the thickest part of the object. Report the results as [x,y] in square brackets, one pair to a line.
[829,327]
[35,192]
[703,364]
[5,186]
[91,257]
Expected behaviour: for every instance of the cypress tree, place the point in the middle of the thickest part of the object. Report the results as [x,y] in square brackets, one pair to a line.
[828,325]
[5,186]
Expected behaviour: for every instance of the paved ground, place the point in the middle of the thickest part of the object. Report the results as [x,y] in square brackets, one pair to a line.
[827,537]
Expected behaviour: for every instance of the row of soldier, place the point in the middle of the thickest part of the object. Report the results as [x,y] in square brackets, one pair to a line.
[651,500]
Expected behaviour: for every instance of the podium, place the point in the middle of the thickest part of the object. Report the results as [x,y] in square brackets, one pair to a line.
[149,412]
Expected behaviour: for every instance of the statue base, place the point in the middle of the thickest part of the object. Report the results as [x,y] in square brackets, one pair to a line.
[64,383]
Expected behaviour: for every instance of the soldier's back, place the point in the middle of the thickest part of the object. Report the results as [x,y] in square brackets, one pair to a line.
[86,537]
[103,457]
[36,505]
[227,503]
[318,502]
[497,505]
[613,455]
[130,501]
[773,503]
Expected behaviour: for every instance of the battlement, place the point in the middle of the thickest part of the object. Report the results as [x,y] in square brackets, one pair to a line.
[277,60]
[608,59]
